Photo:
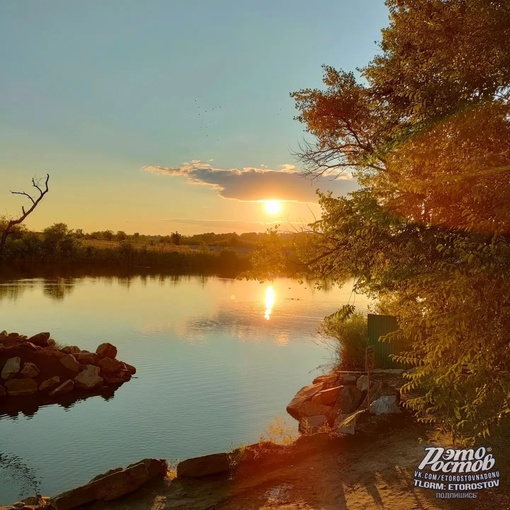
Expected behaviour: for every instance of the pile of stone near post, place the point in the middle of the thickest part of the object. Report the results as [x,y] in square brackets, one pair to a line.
[35,366]
[337,401]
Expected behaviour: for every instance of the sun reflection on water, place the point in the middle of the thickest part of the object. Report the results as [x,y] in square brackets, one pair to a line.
[269,302]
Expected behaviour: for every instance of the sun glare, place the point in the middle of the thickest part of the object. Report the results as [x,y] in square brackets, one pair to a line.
[272,206]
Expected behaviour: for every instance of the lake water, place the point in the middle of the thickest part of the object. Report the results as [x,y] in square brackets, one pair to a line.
[217,360]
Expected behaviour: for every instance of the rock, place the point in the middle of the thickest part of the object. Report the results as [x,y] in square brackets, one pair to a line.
[375,393]
[69,361]
[349,398]
[40,339]
[199,467]
[326,379]
[346,423]
[49,384]
[13,335]
[346,378]
[309,408]
[65,387]
[71,349]
[87,358]
[107,350]
[362,383]
[304,394]
[21,387]
[130,368]
[29,370]
[327,397]
[3,393]
[109,365]
[51,342]
[112,485]
[88,378]
[11,367]
[312,424]
[387,404]
[113,379]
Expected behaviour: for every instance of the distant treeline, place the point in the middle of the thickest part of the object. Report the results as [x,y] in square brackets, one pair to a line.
[58,245]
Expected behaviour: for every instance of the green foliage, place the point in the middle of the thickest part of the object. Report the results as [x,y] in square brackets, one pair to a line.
[349,329]
[428,233]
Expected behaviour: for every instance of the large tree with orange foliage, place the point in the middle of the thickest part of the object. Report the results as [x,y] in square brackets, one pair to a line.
[426,131]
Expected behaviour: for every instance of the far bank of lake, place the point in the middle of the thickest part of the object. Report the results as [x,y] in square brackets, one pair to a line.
[217,360]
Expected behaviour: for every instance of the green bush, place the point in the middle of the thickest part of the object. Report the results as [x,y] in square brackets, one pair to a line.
[349,329]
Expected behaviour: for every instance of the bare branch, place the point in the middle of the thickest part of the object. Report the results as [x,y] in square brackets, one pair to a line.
[35,201]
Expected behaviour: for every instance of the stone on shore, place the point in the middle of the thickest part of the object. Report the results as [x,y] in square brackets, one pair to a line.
[40,339]
[88,378]
[87,358]
[302,396]
[387,404]
[312,424]
[3,393]
[107,350]
[11,368]
[207,465]
[65,387]
[349,398]
[21,387]
[69,361]
[112,485]
[109,365]
[29,370]
[327,397]
[49,384]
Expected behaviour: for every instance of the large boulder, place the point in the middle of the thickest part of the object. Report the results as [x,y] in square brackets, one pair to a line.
[303,395]
[312,424]
[21,387]
[40,339]
[71,349]
[11,368]
[3,393]
[112,485]
[362,383]
[69,361]
[207,465]
[88,378]
[49,384]
[349,399]
[129,368]
[87,358]
[109,365]
[327,397]
[29,370]
[106,350]
[387,404]
[65,387]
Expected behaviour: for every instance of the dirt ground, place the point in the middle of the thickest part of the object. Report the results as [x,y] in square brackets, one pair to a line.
[372,470]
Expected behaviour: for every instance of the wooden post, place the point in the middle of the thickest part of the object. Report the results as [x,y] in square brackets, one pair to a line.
[369,365]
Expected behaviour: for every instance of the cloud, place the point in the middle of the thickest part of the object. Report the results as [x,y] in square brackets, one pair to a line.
[252,184]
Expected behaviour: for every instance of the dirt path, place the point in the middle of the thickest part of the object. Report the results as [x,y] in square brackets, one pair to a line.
[371,471]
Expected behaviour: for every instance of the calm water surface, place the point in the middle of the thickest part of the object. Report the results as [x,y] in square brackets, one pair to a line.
[217,360]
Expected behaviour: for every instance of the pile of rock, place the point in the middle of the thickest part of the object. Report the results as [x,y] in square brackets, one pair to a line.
[36,366]
[339,399]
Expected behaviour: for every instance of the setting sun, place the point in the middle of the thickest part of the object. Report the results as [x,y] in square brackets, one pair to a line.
[272,206]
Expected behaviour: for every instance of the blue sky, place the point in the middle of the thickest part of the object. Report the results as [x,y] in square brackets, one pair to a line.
[99,93]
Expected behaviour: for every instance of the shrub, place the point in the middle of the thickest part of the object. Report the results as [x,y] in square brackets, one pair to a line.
[349,329]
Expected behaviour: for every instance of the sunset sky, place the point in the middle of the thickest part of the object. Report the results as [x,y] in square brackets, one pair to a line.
[168,115]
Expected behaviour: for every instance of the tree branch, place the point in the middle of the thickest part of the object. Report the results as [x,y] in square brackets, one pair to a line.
[24,213]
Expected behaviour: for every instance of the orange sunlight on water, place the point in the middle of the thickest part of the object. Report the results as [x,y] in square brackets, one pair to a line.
[269,302]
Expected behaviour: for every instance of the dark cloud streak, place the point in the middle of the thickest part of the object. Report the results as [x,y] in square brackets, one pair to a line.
[252,184]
